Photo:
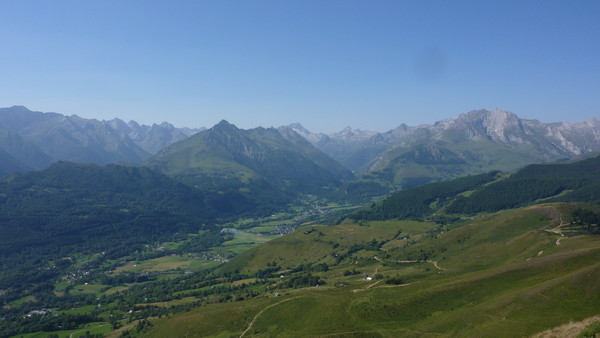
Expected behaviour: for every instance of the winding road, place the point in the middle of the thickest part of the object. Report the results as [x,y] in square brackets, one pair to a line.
[261,312]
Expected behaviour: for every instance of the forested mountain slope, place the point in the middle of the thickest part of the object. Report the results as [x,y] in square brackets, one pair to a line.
[567,182]
[83,209]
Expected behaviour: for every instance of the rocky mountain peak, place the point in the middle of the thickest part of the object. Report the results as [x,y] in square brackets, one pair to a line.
[593,122]
[297,127]
[133,124]
[498,125]
[311,137]
[223,125]
[119,124]
[225,129]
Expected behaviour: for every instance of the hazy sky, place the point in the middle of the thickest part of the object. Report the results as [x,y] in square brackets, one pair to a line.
[327,64]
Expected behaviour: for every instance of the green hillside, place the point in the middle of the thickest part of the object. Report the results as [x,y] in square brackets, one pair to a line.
[508,274]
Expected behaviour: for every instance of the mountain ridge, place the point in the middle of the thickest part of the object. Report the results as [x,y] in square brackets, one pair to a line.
[38,139]
[266,163]
[476,142]
[496,125]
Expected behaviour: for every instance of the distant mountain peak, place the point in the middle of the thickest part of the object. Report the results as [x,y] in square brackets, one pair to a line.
[223,124]
[18,107]
[298,128]
[47,137]
[133,124]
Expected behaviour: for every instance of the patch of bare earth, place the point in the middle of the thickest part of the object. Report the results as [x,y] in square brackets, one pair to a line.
[569,330]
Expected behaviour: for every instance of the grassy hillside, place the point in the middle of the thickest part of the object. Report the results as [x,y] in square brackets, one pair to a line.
[514,273]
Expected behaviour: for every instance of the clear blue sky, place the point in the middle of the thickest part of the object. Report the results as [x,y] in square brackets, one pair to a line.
[327,64]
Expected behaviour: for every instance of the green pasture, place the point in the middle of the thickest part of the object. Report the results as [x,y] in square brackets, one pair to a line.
[101,328]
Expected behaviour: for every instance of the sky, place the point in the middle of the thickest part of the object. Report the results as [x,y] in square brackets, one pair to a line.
[327,64]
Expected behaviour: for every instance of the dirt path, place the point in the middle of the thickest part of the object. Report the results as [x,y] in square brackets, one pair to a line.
[261,312]
[436,265]
[557,217]
[343,334]
[568,330]
[372,285]
[367,287]
[380,286]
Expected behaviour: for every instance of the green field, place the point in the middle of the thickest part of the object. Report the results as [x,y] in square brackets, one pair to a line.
[91,328]
[88,289]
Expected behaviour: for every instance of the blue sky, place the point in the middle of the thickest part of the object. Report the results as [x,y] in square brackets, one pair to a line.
[326,64]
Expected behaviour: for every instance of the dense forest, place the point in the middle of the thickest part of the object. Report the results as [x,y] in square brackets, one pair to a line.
[563,182]
[87,209]
[416,202]
[566,182]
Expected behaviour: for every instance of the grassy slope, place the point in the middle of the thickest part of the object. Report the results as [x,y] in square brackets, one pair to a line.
[504,275]
[319,244]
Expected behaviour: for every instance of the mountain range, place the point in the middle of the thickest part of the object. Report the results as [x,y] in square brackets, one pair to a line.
[475,142]
[271,161]
[32,140]
[356,149]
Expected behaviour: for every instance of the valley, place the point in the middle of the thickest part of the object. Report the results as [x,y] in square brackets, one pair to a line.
[239,233]
[328,169]
[88,289]
[516,271]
